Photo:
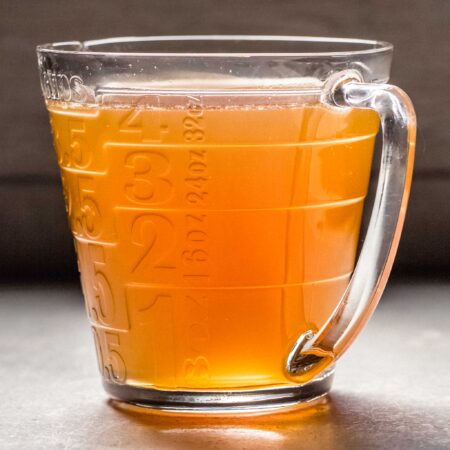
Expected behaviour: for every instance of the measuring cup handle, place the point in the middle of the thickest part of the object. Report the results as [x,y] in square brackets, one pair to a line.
[314,352]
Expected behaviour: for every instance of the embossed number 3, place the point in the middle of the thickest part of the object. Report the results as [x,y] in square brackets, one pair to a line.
[89,217]
[150,184]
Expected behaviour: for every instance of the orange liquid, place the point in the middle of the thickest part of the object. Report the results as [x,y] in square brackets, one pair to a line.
[210,239]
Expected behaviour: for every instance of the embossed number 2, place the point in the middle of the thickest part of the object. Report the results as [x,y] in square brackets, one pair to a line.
[149,184]
[155,233]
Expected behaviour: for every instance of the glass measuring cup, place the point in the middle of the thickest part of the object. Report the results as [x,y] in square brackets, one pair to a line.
[214,187]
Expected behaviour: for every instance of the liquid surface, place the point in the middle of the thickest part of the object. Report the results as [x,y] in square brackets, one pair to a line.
[208,240]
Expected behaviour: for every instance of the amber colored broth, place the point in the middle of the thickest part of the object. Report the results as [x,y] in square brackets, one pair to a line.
[209,239]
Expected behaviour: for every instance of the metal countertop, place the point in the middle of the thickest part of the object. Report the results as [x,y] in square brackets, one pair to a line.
[391,391]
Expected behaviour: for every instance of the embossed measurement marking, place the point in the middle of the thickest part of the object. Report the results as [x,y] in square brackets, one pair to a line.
[195,254]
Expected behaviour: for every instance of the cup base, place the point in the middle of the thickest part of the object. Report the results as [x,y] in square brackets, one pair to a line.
[222,401]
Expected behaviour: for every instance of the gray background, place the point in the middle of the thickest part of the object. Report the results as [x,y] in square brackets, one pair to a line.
[34,238]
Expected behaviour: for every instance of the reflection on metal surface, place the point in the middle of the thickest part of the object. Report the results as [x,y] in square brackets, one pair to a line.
[249,431]
[232,433]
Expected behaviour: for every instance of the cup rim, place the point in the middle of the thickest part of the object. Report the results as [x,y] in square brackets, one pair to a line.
[85,48]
